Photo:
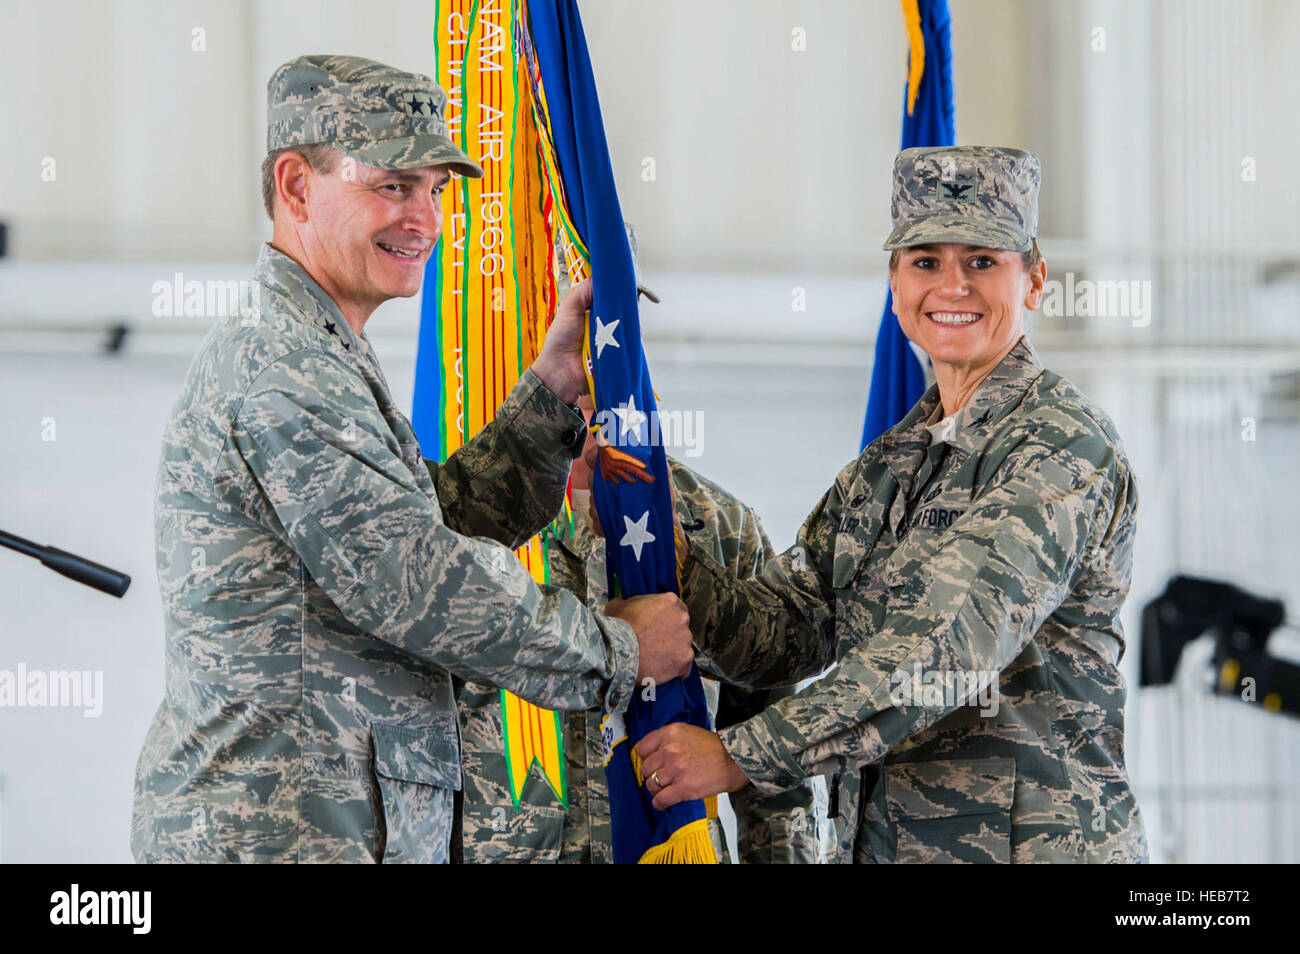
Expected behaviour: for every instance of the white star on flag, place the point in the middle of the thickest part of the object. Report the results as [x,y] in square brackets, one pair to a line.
[605,335]
[637,535]
[630,419]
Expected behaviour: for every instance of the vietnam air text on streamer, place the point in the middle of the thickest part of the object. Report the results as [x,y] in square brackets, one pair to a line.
[102,907]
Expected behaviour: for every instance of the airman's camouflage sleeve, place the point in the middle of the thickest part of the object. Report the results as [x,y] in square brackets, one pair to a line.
[747,634]
[755,548]
[486,490]
[972,606]
[770,829]
[334,485]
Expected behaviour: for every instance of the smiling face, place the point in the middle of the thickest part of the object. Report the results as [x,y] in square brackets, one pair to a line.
[367,233]
[963,305]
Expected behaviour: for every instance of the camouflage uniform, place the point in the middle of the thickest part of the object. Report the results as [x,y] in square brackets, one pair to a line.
[782,828]
[318,592]
[1001,550]
[779,829]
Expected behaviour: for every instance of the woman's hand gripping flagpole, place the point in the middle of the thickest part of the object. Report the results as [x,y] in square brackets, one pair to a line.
[681,762]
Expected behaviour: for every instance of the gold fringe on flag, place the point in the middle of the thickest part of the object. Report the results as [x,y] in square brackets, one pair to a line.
[689,845]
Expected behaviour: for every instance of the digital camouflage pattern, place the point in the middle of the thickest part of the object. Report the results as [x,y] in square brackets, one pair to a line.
[977,195]
[378,115]
[1005,551]
[317,594]
[781,829]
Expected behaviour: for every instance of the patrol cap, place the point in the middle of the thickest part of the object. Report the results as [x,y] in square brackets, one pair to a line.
[976,195]
[378,115]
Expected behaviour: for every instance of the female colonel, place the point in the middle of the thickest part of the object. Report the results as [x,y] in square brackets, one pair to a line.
[966,573]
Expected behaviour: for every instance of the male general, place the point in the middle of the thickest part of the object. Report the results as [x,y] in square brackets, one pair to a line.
[320,579]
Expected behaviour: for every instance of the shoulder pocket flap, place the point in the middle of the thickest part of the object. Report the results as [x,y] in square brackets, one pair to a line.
[950,788]
[416,755]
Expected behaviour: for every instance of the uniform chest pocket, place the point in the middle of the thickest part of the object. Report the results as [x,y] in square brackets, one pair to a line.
[417,770]
[953,811]
[855,539]
[909,561]
[933,521]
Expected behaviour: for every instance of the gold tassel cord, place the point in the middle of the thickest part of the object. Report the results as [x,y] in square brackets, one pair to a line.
[916,51]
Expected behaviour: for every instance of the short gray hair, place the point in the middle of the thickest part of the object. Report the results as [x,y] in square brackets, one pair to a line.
[320,156]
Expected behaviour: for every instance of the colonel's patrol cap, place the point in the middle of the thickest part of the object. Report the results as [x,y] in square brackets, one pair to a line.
[976,195]
[378,115]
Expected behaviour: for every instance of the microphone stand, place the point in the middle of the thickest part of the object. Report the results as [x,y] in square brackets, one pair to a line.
[70,565]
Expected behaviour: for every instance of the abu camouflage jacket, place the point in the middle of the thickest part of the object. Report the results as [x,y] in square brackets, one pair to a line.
[320,583]
[970,591]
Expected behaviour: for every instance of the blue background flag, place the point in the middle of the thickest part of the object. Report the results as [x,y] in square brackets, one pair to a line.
[897,378]
[426,406]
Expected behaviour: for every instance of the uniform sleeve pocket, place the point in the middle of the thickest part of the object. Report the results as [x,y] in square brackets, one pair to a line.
[417,770]
[952,811]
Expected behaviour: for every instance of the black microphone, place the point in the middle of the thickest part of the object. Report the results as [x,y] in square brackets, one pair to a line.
[70,565]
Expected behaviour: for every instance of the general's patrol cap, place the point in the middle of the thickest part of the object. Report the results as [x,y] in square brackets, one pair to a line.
[378,115]
[976,195]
